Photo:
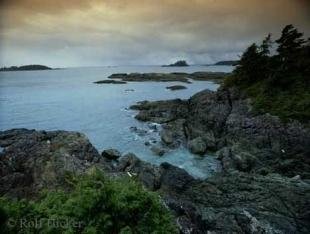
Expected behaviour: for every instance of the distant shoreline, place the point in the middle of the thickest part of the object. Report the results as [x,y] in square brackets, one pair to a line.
[34,67]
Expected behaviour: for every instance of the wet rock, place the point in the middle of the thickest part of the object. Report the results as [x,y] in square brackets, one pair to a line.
[197,146]
[158,150]
[176,87]
[111,154]
[138,131]
[110,82]
[167,137]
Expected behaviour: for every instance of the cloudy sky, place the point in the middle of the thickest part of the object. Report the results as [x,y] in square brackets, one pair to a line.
[68,33]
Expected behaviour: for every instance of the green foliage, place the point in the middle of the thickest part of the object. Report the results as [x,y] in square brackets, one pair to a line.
[96,204]
[280,83]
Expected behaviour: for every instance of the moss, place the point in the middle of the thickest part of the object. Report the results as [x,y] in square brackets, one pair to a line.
[96,204]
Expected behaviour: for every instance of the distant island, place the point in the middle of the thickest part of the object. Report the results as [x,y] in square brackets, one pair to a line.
[26,68]
[180,63]
[227,63]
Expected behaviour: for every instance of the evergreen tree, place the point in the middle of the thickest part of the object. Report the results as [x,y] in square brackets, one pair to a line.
[289,49]
[246,70]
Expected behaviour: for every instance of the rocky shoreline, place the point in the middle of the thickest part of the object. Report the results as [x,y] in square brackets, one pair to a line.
[224,203]
[264,187]
[170,77]
[224,123]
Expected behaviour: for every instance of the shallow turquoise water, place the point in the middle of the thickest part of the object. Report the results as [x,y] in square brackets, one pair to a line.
[67,99]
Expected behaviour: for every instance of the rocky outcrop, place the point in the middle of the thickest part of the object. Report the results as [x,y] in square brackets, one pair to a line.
[110,82]
[176,87]
[197,146]
[32,160]
[256,142]
[111,154]
[229,202]
[170,77]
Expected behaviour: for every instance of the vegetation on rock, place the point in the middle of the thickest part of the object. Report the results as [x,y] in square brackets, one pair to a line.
[95,204]
[278,83]
[180,63]
[25,68]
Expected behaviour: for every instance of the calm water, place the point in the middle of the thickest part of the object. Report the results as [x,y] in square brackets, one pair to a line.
[67,99]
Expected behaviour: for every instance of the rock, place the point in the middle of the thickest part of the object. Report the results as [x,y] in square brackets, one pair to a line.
[148,174]
[154,126]
[110,82]
[174,179]
[167,137]
[118,75]
[225,119]
[158,151]
[176,87]
[111,154]
[197,146]
[129,90]
[227,202]
[33,160]
[138,131]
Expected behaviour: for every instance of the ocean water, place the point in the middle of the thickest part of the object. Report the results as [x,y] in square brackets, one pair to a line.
[67,99]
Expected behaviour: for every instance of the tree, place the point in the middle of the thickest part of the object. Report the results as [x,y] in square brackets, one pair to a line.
[289,49]
[265,46]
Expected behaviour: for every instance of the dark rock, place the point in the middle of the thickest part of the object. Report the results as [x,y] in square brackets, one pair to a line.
[32,160]
[173,178]
[138,131]
[197,146]
[129,90]
[169,77]
[111,154]
[158,150]
[176,87]
[228,202]
[167,137]
[225,119]
[148,174]
[110,82]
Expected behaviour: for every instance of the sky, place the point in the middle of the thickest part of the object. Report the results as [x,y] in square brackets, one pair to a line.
[71,33]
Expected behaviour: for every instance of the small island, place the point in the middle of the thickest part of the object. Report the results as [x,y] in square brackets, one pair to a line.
[180,63]
[110,82]
[176,87]
[34,67]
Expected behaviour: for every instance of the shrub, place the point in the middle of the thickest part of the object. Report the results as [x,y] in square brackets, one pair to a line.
[95,204]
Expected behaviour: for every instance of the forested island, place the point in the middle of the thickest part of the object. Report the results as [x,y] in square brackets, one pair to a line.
[180,63]
[256,125]
[26,68]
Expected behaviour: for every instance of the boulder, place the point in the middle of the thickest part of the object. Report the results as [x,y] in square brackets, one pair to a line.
[111,154]
[158,150]
[197,146]
[167,137]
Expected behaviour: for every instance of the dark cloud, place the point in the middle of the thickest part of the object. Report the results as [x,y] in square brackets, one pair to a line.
[110,32]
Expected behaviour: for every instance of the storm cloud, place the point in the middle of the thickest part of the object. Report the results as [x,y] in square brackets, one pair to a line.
[139,32]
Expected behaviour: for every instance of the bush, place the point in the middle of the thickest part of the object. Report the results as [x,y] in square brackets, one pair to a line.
[96,204]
